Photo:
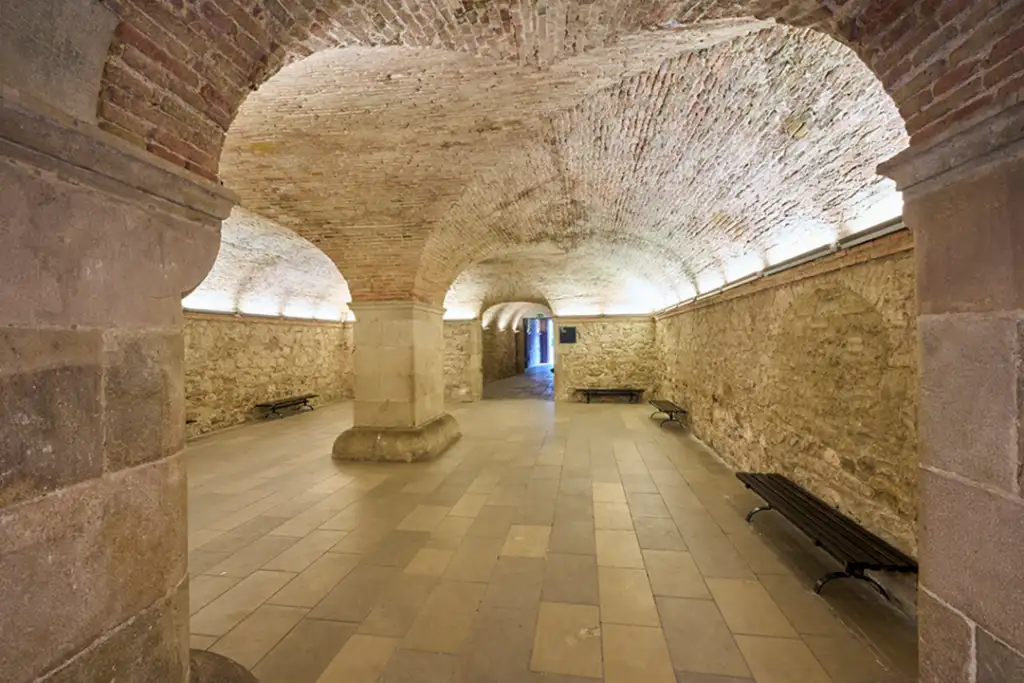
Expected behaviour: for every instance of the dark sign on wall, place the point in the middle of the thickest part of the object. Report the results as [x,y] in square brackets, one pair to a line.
[566,335]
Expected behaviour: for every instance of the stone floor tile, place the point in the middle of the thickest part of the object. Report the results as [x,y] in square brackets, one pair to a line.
[655,533]
[716,557]
[199,561]
[749,609]
[423,518]
[493,522]
[674,574]
[515,581]
[411,666]
[848,660]
[202,590]
[301,524]
[398,608]
[258,633]
[625,597]
[695,523]
[444,622]
[305,652]
[309,587]
[252,557]
[686,677]
[576,486]
[430,562]
[357,594]
[699,641]
[638,483]
[573,538]
[612,516]
[568,640]
[198,642]
[759,556]
[608,492]
[361,660]
[302,554]
[224,613]
[647,505]
[527,541]
[574,508]
[635,654]
[363,538]
[469,505]
[396,549]
[570,579]
[618,549]
[808,613]
[781,660]
[474,560]
[499,645]
[452,527]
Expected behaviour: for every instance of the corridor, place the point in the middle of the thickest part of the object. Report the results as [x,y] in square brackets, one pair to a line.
[535,382]
[554,543]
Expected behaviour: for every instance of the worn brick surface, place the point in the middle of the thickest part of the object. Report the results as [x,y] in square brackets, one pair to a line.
[408,165]
[816,379]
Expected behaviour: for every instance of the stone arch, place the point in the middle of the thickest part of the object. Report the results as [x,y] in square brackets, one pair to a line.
[174,78]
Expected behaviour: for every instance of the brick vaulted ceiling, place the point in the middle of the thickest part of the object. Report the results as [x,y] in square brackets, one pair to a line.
[617,180]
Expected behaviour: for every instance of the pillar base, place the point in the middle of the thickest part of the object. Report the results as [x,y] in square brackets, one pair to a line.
[209,667]
[393,444]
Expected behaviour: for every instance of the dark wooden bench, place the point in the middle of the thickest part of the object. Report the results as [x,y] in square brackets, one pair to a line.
[856,548]
[672,412]
[272,407]
[633,394]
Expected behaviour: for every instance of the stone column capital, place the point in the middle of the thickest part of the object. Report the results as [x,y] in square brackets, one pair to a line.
[969,153]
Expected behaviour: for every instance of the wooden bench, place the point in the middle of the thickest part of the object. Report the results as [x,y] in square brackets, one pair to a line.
[856,548]
[672,412]
[634,394]
[272,407]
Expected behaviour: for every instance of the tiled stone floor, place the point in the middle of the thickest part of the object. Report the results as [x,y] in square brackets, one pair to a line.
[555,543]
[536,382]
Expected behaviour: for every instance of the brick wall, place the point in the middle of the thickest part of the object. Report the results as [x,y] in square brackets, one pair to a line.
[608,353]
[812,373]
[232,363]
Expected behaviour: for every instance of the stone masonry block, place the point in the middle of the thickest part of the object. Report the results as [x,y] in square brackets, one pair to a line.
[945,642]
[972,552]
[50,398]
[969,413]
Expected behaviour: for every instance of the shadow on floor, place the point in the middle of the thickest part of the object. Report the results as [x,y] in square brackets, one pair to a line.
[536,382]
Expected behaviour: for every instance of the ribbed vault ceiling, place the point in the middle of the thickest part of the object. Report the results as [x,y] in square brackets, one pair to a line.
[620,180]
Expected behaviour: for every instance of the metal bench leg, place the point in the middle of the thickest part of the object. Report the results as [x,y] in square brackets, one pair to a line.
[658,411]
[750,515]
[831,576]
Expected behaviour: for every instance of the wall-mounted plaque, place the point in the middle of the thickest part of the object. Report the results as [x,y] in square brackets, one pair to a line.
[566,335]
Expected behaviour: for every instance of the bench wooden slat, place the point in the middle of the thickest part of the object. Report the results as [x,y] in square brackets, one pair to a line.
[634,394]
[856,548]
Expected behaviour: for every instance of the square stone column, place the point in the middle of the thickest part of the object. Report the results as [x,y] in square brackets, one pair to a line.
[399,384]
[964,200]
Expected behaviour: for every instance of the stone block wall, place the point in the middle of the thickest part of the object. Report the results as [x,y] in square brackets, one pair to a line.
[232,363]
[609,352]
[463,360]
[499,353]
[811,373]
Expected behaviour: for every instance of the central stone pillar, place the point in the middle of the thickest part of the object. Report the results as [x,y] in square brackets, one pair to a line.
[399,385]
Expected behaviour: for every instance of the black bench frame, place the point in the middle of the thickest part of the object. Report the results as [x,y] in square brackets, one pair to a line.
[271,407]
[856,548]
[634,394]
[670,410]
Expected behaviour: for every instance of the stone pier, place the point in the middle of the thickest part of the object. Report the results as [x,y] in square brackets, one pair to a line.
[399,385]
